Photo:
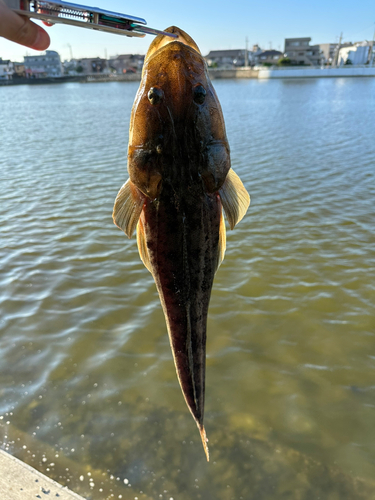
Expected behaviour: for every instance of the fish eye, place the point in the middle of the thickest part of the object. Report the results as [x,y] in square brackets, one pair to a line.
[155,95]
[199,94]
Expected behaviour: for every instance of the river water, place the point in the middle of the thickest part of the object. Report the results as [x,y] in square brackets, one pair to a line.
[88,390]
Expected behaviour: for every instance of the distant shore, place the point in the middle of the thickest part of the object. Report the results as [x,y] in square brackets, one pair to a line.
[73,79]
[215,74]
[322,72]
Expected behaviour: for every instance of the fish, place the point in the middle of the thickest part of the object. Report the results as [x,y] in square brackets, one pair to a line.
[180,184]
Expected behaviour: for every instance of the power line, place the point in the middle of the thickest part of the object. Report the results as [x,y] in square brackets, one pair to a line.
[360,31]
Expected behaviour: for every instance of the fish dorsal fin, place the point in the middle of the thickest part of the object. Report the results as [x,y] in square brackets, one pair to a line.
[222,241]
[142,245]
[234,197]
[128,207]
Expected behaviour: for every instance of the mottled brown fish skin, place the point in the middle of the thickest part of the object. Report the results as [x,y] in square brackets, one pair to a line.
[179,158]
[180,182]
[182,239]
[178,140]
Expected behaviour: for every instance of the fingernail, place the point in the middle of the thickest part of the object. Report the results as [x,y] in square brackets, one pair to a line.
[42,40]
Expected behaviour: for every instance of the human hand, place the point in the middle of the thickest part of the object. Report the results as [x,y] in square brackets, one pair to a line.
[21,30]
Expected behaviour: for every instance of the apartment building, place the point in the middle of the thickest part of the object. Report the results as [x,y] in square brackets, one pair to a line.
[300,52]
[44,65]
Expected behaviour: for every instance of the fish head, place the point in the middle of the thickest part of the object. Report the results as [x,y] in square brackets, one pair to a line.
[177,132]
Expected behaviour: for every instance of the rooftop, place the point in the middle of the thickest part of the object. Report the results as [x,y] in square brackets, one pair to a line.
[270,53]
[225,53]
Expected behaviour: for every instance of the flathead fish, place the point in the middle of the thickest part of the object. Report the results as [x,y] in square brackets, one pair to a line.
[180,180]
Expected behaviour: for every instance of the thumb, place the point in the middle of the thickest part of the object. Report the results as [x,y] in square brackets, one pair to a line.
[21,30]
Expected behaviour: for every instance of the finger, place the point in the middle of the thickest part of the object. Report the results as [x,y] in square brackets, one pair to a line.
[21,30]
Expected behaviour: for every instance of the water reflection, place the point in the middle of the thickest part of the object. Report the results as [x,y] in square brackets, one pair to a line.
[140,459]
[86,368]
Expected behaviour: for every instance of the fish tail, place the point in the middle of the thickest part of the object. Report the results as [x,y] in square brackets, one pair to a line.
[204,440]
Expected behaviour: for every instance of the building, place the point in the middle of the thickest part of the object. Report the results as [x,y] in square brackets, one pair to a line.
[253,54]
[226,58]
[6,69]
[44,65]
[268,57]
[126,63]
[70,67]
[357,54]
[300,52]
[329,51]
[19,70]
[92,65]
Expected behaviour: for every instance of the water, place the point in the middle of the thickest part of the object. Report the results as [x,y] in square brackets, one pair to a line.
[87,382]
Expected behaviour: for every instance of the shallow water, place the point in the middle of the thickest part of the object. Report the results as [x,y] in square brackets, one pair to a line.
[86,368]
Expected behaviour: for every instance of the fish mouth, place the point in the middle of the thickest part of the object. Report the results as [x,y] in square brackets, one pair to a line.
[162,40]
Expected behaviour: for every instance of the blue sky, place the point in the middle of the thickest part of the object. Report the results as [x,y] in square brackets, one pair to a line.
[216,24]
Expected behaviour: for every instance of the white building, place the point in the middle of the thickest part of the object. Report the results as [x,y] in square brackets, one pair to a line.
[356,54]
[44,65]
[6,69]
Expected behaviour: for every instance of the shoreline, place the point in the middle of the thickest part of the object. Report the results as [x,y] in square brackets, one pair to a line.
[323,72]
[19,481]
[215,74]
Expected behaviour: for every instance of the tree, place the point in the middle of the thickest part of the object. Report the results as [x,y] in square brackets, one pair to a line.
[284,61]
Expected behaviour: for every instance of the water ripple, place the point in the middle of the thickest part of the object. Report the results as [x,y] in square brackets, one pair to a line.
[291,324]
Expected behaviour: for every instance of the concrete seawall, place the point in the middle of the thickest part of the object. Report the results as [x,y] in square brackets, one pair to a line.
[19,481]
[216,74]
[268,73]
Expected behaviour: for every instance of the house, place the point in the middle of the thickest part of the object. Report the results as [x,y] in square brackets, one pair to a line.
[126,63]
[329,51]
[300,52]
[268,57]
[44,65]
[19,70]
[92,65]
[6,69]
[70,67]
[253,55]
[226,58]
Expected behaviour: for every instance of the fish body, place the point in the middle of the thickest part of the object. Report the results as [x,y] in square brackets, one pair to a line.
[180,181]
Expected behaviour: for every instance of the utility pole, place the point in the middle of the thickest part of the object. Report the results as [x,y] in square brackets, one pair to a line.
[246,53]
[70,50]
[370,57]
[338,50]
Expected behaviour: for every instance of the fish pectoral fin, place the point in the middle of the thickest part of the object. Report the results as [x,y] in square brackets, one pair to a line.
[222,241]
[142,245]
[234,197]
[128,207]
